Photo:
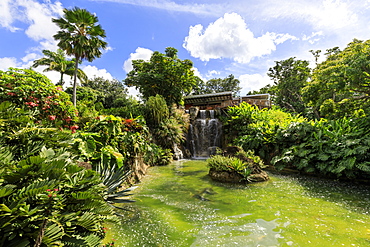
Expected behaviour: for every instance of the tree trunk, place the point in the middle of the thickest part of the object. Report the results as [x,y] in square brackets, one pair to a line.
[74,99]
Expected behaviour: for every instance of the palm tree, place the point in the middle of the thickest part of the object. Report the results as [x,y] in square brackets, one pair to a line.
[80,37]
[56,61]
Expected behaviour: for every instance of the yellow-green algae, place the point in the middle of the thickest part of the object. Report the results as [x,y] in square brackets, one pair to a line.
[178,205]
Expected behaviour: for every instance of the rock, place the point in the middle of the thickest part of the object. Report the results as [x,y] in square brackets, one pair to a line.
[226,176]
[259,177]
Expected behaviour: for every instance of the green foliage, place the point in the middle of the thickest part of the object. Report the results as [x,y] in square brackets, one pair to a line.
[113,92]
[290,76]
[80,36]
[157,110]
[110,137]
[47,199]
[157,156]
[29,90]
[164,74]
[336,148]
[340,84]
[57,61]
[329,147]
[255,129]
[232,164]
[218,85]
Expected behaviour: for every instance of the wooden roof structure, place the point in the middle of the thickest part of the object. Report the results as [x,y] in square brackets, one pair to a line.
[222,99]
[225,99]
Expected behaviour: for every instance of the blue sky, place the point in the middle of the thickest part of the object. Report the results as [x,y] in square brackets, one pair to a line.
[239,37]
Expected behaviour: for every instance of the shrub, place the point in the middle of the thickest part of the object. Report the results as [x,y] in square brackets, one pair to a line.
[32,91]
[48,199]
[232,164]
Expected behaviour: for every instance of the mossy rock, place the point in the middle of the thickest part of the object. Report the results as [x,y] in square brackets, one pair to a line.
[226,176]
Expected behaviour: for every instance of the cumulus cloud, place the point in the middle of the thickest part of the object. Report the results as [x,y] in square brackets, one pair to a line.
[229,37]
[37,16]
[34,19]
[92,71]
[250,82]
[140,53]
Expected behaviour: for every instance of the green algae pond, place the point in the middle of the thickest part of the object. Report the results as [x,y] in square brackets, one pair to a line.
[179,205]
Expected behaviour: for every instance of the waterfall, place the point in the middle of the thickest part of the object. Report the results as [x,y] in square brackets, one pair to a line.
[204,134]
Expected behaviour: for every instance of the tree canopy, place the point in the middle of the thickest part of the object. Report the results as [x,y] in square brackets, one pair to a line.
[218,85]
[57,61]
[290,76]
[80,36]
[163,74]
[113,91]
[340,85]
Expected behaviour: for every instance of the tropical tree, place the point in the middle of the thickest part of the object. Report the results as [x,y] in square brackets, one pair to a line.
[218,85]
[340,85]
[80,36]
[114,92]
[164,74]
[290,76]
[57,61]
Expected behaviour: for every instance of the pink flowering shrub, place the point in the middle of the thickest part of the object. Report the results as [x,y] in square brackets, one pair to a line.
[30,90]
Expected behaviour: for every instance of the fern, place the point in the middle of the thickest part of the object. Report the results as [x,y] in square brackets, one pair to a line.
[365,166]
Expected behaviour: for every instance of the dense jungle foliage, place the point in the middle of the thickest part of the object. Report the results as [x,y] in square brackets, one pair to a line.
[61,174]
[335,148]
[63,165]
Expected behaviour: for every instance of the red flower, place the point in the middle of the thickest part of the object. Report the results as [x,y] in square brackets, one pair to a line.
[56,189]
[48,190]
[52,118]
[11,94]
[59,89]
[73,128]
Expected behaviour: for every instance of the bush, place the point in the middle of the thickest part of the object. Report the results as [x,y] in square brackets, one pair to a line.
[48,199]
[231,164]
[337,148]
[32,91]
[255,129]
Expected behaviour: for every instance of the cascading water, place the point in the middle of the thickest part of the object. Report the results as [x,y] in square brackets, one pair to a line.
[204,134]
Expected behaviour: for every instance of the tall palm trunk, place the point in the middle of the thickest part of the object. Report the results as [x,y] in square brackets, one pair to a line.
[74,99]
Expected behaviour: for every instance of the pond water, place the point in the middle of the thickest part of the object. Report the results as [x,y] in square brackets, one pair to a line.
[179,205]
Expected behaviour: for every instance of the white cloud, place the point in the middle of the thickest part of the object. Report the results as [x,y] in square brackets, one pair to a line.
[313,38]
[212,74]
[229,37]
[37,16]
[7,62]
[197,73]
[327,15]
[7,15]
[253,82]
[92,71]
[140,53]
[194,8]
